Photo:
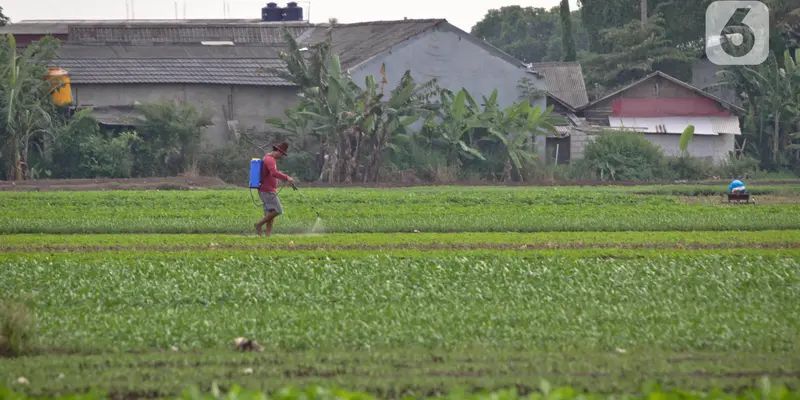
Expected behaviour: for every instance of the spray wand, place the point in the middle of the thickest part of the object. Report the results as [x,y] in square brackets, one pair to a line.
[306,198]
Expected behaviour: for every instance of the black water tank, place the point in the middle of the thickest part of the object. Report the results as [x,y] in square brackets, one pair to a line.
[292,12]
[271,13]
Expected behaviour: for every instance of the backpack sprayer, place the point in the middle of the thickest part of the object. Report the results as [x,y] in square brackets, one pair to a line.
[255,182]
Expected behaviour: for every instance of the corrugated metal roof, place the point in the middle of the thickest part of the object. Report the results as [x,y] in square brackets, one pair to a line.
[564,81]
[726,125]
[710,126]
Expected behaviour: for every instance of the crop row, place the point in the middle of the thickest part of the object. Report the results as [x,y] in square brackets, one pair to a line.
[740,299]
[351,211]
[385,241]
[764,390]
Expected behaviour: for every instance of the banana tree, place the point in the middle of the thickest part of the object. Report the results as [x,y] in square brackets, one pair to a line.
[25,106]
[686,137]
[459,116]
[338,114]
[515,127]
[408,103]
[771,94]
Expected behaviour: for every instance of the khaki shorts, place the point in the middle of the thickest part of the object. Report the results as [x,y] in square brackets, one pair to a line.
[271,202]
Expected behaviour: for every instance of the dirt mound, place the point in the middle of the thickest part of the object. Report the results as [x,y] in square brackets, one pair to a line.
[166,183]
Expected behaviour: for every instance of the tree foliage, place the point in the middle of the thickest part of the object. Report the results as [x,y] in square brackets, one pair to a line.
[634,52]
[26,110]
[771,93]
[169,137]
[567,40]
[529,34]
[4,20]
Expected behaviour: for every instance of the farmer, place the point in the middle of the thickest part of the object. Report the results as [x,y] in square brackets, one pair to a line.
[269,182]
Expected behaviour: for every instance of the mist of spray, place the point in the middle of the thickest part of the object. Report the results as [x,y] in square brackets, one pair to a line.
[319,226]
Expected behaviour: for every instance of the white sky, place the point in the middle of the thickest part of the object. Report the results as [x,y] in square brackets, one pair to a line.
[463,14]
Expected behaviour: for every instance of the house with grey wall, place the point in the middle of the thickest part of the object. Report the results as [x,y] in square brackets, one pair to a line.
[214,63]
[566,92]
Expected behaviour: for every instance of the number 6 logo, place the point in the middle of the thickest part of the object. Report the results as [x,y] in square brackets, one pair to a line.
[756,23]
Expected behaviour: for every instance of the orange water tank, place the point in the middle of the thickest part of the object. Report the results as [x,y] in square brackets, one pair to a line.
[62,95]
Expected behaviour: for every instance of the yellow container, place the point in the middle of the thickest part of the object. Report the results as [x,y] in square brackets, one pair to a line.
[62,95]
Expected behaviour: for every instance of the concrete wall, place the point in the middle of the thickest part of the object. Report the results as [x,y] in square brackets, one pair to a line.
[456,60]
[714,147]
[251,105]
[577,143]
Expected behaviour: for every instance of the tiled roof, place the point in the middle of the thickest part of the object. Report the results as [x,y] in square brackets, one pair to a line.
[184,51]
[230,65]
[178,33]
[564,81]
[103,59]
[358,42]
[242,71]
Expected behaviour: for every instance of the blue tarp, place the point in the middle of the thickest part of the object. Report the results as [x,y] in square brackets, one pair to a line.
[735,184]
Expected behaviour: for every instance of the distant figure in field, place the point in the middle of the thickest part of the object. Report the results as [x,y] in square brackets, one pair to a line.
[736,187]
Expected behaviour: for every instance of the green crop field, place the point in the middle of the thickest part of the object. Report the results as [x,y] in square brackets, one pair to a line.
[461,209]
[404,292]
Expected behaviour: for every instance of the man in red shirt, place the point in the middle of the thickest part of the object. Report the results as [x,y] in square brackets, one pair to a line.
[269,182]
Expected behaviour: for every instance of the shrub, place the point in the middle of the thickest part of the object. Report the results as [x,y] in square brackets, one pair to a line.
[626,156]
[232,164]
[739,167]
[691,168]
[16,329]
[229,163]
[84,150]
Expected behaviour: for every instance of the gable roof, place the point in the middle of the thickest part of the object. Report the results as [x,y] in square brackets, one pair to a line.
[671,79]
[360,41]
[170,51]
[564,81]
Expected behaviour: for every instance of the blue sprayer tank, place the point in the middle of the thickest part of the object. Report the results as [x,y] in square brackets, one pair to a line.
[255,173]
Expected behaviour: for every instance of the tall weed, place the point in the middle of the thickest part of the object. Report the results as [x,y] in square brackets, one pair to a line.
[17,325]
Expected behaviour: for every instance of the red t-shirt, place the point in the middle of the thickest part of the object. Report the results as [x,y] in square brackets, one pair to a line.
[270,175]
